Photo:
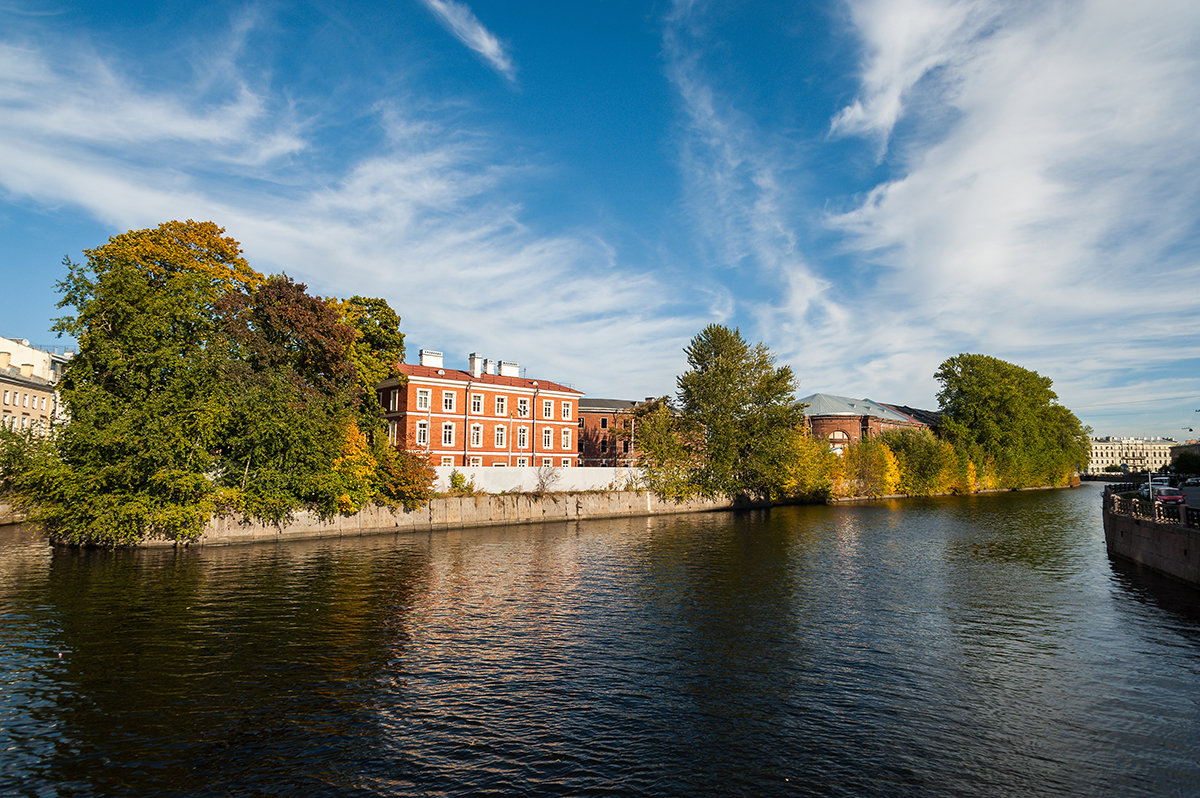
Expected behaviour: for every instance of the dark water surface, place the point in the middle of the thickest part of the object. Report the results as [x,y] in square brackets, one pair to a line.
[968,646]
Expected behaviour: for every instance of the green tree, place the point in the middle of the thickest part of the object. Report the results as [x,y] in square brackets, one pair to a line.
[927,465]
[1007,420]
[198,386]
[739,410]
[376,352]
[1186,462]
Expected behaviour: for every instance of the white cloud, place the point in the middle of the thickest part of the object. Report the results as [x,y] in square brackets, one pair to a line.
[425,220]
[1054,212]
[467,28]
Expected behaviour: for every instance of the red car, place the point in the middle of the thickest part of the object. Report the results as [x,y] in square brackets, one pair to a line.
[1170,496]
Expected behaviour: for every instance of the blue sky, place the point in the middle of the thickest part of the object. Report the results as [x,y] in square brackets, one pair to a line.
[867,186]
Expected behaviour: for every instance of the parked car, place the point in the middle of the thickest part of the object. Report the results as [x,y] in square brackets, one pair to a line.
[1194,482]
[1169,496]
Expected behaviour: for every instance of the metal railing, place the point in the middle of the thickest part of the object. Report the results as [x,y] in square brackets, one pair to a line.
[1117,503]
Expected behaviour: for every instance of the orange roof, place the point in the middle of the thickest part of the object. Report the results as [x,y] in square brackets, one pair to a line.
[413,370]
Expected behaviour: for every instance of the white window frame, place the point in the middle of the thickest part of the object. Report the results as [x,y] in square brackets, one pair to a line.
[522,462]
[523,408]
[476,436]
[522,437]
[501,405]
[424,398]
[566,462]
[547,438]
[447,433]
[566,440]
[548,462]
[393,429]
[394,400]
[447,460]
[422,433]
[477,403]
[448,401]
[501,436]
[547,408]
[566,411]
[476,462]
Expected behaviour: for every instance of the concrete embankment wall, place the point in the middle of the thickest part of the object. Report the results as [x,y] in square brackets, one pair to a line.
[8,515]
[452,512]
[1167,548]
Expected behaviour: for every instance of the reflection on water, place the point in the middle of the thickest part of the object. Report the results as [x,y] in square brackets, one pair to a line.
[980,645]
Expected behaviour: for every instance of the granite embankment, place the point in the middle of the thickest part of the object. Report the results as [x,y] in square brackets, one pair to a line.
[1164,539]
[453,512]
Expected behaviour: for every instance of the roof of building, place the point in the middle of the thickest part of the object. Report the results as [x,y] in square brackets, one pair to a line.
[13,376]
[606,405]
[824,404]
[433,372]
[930,418]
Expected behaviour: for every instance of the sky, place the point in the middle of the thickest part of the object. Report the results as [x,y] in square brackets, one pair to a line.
[866,186]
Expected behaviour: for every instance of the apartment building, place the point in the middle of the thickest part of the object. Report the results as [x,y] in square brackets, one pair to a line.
[486,415]
[27,402]
[607,433]
[1130,454]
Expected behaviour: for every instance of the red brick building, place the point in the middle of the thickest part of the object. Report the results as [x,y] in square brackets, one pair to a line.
[607,433]
[841,420]
[488,415]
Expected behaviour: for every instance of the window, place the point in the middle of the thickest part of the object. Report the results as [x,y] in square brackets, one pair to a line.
[501,405]
[522,437]
[422,433]
[523,408]
[501,437]
[476,462]
[566,462]
[603,446]
[393,428]
[394,400]
[547,408]
[547,462]
[447,461]
[625,447]
[6,397]
[566,440]
[603,423]
[498,465]
[448,401]
[448,434]
[477,435]
[25,398]
[476,403]
[423,398]
[522,462]
[547,439]
[566,411]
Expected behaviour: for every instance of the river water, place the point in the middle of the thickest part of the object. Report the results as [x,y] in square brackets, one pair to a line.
[962,646]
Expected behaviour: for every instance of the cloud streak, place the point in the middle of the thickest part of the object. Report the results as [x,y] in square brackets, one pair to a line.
[426,220]
[466,27]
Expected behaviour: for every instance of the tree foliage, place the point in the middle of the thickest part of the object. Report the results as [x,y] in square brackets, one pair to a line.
[1008,422]
[198,386]
[739,410]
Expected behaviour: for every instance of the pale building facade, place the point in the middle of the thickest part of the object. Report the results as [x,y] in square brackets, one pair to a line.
[1134,454]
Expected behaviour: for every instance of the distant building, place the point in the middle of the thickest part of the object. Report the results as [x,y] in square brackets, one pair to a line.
[45,364]
[1132,454]
[27,377]
[607,433]
[26,402]
[487,415]
[842,421]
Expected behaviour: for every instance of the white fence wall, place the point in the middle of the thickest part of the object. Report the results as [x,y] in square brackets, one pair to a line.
[526,480]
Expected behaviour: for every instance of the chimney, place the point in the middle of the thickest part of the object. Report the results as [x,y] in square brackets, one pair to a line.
[476,361]
[431,358]
[509,369]
[26,369]
[489,366]
[5,359]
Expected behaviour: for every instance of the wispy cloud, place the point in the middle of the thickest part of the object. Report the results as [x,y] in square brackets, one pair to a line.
[466,27]
[1053,209]
[427,219]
